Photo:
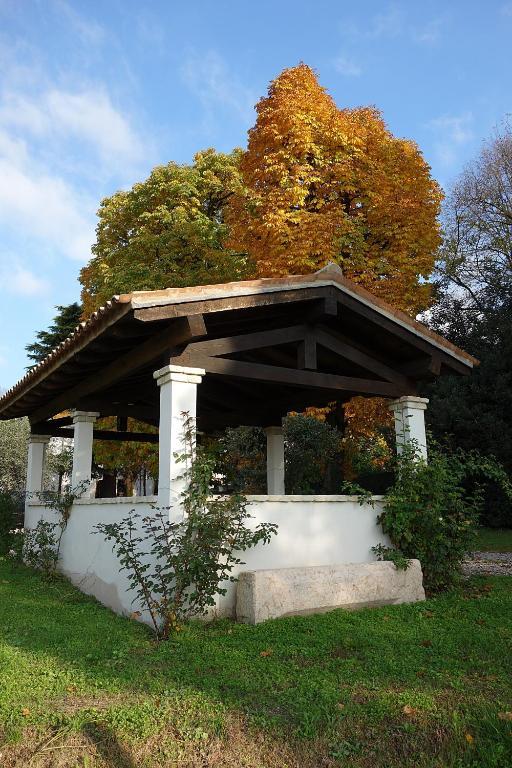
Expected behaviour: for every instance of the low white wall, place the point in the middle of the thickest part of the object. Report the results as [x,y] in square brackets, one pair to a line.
[85,557]
[313,531]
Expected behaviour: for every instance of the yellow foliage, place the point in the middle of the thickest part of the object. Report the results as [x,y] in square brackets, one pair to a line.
[362,414]
[326,184]
[130,458]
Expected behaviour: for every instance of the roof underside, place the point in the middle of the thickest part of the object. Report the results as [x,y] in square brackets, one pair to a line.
[268,347]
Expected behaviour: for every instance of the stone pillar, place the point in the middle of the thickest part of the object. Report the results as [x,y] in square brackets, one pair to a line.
[82,449]
[275,461]
[37,445]
[409,412]
[178,400]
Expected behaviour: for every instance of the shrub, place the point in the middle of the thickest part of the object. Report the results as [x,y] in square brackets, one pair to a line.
[11,517]
[431,511]
[242,460]
[41,546]
[176,568]
[311,447]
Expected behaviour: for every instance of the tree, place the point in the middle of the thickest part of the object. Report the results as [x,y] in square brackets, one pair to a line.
[167,231]
[64,323]
[474,309]
[13,455]
[327,184]
[128,458]
[474,273]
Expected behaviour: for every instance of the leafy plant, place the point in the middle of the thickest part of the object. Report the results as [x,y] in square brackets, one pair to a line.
[310,446]
[242,459]
[394,556]
[62,501]
[431,511]
[41,545]
[364,496]
[11,516]
[176,568]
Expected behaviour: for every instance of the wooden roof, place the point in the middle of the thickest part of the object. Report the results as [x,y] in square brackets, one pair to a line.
[268,346]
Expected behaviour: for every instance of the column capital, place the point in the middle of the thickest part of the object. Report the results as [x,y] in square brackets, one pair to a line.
[39,438]
[409,401]
[85,417]
[273,430]
[178,373]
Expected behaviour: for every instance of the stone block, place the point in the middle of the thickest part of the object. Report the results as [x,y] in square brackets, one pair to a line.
[268,594]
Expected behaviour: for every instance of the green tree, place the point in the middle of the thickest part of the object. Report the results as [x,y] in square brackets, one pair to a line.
[474,310]
[13,454]
[167,231]
[64,323]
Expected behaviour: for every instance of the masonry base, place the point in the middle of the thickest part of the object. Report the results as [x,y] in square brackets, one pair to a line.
[268,594]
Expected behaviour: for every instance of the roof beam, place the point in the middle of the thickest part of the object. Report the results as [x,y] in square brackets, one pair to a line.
[247,301]
[330,341]
[306,353]
[245,341]
[423,368]
[104,434]
[291,376]
[395,327]
[174,335]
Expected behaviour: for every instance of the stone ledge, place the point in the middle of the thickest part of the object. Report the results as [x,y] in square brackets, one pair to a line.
[269,594]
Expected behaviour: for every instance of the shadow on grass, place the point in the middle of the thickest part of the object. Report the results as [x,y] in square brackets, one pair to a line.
[106,743]
[313,675]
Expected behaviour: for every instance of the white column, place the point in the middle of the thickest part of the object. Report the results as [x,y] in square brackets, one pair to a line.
[82,449]
[275,461]
[409,412]
[37,445]
[178,400]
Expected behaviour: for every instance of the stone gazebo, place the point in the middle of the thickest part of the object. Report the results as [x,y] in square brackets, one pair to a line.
[234,354]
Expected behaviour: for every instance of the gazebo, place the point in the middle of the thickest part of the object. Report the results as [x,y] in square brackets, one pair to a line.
[242,353]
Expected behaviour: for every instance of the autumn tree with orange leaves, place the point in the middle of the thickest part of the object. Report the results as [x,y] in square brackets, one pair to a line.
[326,184]
[316,184]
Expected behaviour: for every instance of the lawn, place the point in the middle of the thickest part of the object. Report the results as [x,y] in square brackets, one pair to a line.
[417,685]
[493,540]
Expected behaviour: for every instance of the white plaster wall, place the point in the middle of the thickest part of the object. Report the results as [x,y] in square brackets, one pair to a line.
[86,558]
[313,531]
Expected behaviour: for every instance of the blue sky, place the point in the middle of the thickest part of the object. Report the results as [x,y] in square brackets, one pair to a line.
[94,94]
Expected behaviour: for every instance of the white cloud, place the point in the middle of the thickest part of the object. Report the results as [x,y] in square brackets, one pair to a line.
[430,33]
[91,116]
[44,206]
[25,283]
[208,76]
[389,23]
[20,281]
[60,148]
[506,9]
[90,32]
[453,132]
[86,115]
[392,22]
[347,67]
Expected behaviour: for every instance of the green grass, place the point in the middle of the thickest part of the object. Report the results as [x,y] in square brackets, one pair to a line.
[419,685]
[493,540]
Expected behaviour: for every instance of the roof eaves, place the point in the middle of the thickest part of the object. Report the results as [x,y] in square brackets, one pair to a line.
[105,316]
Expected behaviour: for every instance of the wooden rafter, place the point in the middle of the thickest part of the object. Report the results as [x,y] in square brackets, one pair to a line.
[226,304]
[293,377]
[174,335]
[329,340]
[105,434]
[241,342]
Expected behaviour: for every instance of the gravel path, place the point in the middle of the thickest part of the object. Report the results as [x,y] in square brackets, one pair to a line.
[488,564]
